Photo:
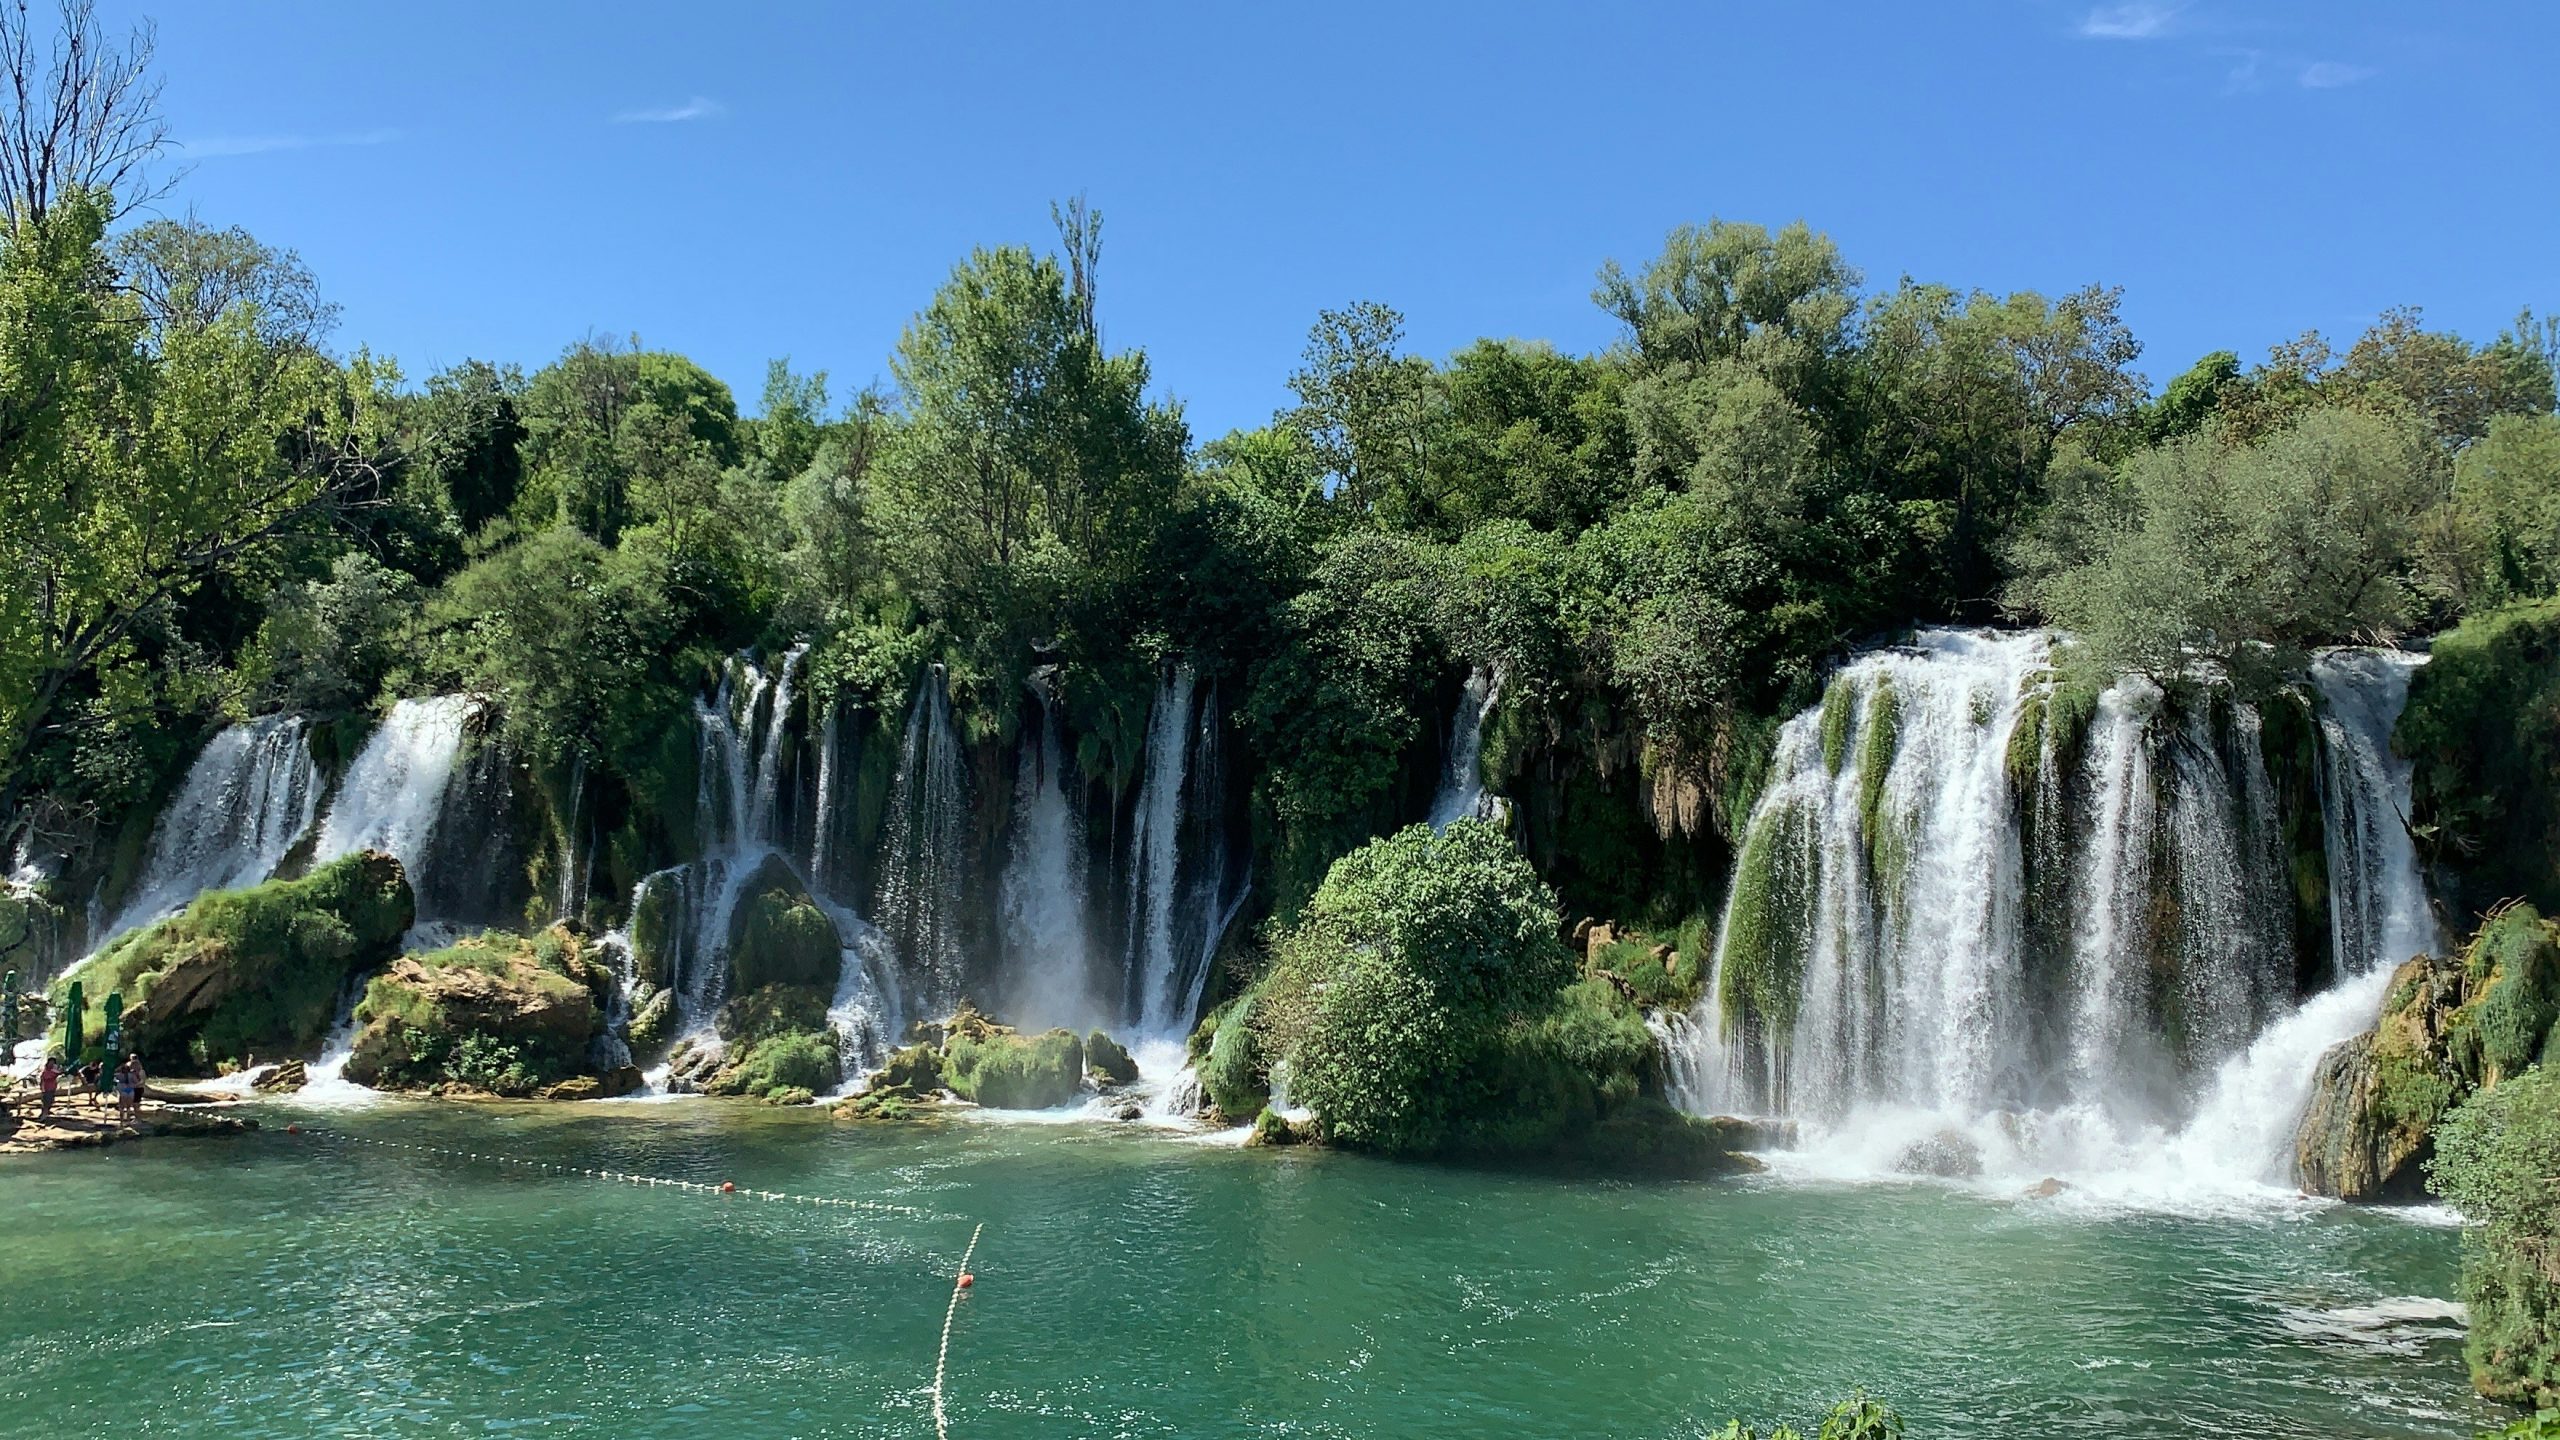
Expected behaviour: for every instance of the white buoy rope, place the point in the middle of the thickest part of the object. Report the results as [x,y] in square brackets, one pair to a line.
[960,1284]
[727,1188]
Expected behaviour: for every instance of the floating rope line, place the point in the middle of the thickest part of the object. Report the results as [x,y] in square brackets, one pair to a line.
[959,1285]
[655,1182]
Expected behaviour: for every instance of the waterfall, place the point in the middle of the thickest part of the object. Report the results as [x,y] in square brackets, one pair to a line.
[1183,891]
[393,795]
[925,851]
[1048,958]
[2379,914]
[1462,793]
[246,800]
[2072,950]
[1155,852]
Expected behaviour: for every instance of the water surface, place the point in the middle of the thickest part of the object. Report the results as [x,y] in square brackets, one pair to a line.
[1136,1285]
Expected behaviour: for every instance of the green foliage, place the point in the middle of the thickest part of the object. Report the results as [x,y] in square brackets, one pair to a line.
[2517,956]
[327,645]
[1879,740]
[2482,728]
[1422,1005]
[2494,1159]
[259,969]
[495,1012]
[2220,548]
[2503,523]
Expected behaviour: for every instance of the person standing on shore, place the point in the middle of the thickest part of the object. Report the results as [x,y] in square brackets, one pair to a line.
[129,1090]
[48,1080]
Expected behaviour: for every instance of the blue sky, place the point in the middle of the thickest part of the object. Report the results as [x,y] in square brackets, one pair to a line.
[745,181]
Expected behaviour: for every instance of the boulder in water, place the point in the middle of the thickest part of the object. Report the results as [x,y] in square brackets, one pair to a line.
[778,936]
[653,1024]
[2447,1028]
[1108,1060]
[1947,1155]
[281,1079]
[2046,1188]
[1273,1128]
[499,1013]
[778,1046]
[996,1067]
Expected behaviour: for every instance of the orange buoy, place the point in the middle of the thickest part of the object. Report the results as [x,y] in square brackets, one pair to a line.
[293,1129]
[967,1279]
[728,1187]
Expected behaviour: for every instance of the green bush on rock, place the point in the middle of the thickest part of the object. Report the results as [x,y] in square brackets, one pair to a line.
[1422,1005]
[248,972]
[993,1066]
[501,1013]
[2494,1159]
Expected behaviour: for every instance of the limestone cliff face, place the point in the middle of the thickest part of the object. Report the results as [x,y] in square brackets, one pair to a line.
[2447,1028]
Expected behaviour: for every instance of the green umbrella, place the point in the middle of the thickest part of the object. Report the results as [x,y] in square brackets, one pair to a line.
[115,1028]
[74,1009]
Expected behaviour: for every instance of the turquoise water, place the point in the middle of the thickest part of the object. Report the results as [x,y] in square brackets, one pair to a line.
[1136,1285]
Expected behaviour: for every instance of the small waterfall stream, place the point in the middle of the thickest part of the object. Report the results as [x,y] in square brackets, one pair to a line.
[1462,793]
[393,793]
[251,794]
[1048,954]
[924,853]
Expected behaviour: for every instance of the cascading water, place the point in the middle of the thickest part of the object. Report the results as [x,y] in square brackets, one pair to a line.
[2379,916]
[1181,893]
[925,852]
[251,794]
[2073,951]
[1048,954]
[393,794]
[1462,793]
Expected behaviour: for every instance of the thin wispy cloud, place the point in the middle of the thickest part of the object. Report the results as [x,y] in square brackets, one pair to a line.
[209,146]
[2245,72]
[700,107]
[2331,74]
[2130,22]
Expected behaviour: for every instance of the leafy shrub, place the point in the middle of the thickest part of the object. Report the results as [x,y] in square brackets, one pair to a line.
[2494,1156]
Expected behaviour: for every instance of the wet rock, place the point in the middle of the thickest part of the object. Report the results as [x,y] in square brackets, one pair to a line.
[1108,1060]
[576,1087]
[1947,1155]
[1742,1134]
[1273,1128]
[1130,1112]
[2369,1128]
[281,1079]
[2046,1188]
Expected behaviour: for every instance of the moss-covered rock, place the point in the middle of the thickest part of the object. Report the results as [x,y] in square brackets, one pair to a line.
[1227,1053]
[2448,1028]
[248,972]
[1108,1061]
[501,1013]
[1273,1128]
[778,936]
[997,1068]
[777,1045]
[653,1023]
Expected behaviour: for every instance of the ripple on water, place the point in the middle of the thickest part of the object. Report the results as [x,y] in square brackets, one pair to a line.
[1130,1286]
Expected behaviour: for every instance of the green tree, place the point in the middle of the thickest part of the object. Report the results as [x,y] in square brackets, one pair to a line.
[2248,553]
[1369,414]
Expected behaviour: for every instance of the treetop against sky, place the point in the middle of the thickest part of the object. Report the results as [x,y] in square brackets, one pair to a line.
[492,180]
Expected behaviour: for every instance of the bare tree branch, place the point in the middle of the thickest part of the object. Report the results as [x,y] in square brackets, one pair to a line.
[84,114]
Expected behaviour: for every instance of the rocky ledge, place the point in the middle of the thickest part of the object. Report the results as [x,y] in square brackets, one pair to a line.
[76,1126]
